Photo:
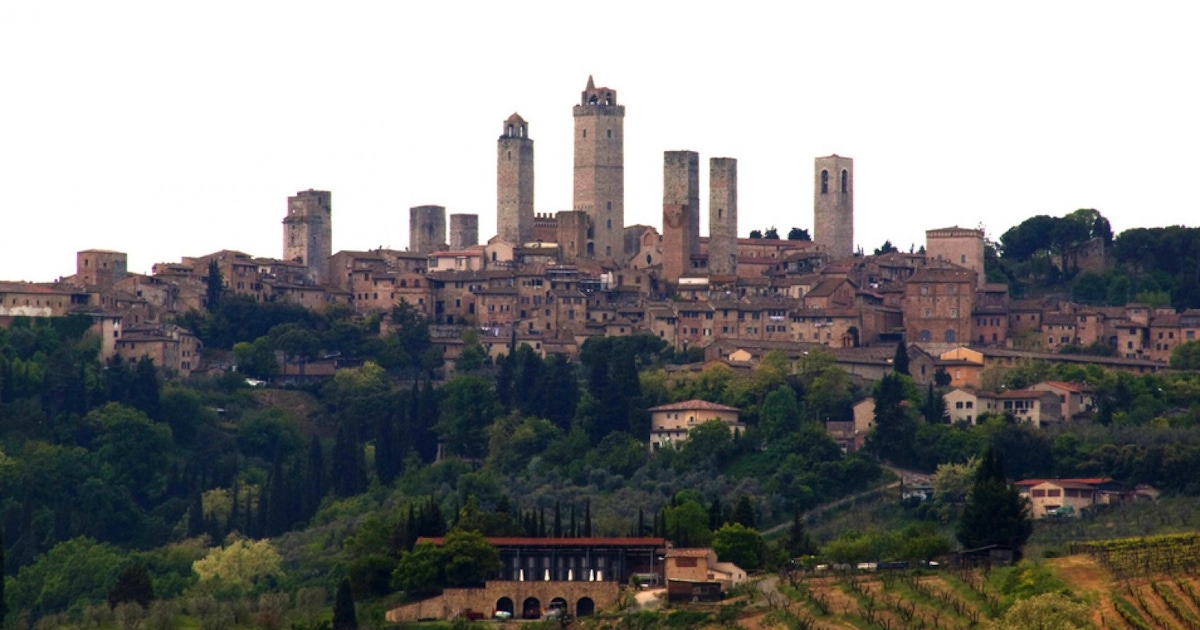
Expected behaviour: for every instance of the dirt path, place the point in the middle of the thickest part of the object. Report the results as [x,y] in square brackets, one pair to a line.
[1089,580]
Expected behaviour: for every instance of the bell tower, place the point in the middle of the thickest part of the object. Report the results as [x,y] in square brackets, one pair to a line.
[833,205]
[514,182]
[599,189]
[308,232]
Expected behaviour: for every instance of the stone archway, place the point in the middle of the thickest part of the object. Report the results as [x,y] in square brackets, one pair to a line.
[560,605]
[531,609]
[585,608]
[505,604]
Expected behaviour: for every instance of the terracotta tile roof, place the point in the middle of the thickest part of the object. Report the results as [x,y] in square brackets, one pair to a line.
[560,542]
[697,405]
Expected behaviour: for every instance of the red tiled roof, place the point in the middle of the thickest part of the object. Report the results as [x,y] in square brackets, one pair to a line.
[1090,481]
[694,552]
[560,542]
[698,405]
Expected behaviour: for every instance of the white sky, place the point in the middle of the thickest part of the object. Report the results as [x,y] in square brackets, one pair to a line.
[166,129]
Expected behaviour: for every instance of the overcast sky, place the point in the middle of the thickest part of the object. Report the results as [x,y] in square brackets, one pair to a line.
[169,129]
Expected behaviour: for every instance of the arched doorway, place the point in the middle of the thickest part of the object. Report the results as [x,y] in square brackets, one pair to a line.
[531,609]
[504,604]
[557,608]
[586,607]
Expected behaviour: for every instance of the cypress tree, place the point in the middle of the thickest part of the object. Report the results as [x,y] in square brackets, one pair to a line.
[235,518]
[344,617]
[587,518]
[714,514]
[3,606]
[133,585]
[744,512]
[315,484]
[196,515]
[799,543]
[574,532]
[542,523]
[641,525]
[994,514]
[558,531]
[900,360]
[214,286]
[277,520]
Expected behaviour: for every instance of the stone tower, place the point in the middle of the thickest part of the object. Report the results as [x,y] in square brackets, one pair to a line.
[514,182]
[600,169]
[681,212]
[961,246]
[722,217]
[833,205]
[464,231]
[308,232]
[426,229]
[571,234]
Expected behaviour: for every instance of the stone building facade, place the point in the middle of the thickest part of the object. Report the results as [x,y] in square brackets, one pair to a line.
[833,205]
[464,231]
[426,229]
[599,189]
[938,303]
[514,182]
[961,246]
[308,232]
[681,213]
[722,217]
[100,267]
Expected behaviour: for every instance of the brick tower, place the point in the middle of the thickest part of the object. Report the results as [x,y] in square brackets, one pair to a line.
[681,212]
[426,229]
[961,246]
[514,182]
[833,205]
[600,169]
[571,234]
[722,217]
[464,231]
[308,232]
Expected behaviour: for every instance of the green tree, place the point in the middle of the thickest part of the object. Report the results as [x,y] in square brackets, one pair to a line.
[469,559]
[995,514]
[687,525]
[886,248]
[895,427]
[756,234]
[1048,611]
[771,233]
[1186,356]
[133,585]
[738,544]
[3,573]
[344,617]
[799,543]
[798,234]
[239,565]
[470,405]
[900,359]
[75,572]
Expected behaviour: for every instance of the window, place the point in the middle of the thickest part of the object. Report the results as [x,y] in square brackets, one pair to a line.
[585,133]
[950,336]
[824,182]
[845,181]
[924,289]
[609,133]
[924,335]
[953,312]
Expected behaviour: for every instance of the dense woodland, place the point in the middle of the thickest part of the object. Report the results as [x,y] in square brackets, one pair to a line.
[107,471]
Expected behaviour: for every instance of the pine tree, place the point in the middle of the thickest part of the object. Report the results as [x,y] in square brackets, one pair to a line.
[994,514]
[900,361]
[344,617]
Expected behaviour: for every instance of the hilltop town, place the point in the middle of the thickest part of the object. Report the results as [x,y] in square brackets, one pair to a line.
[552,280]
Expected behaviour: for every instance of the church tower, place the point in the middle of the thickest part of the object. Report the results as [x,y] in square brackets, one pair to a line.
[600,169]
[681,213]
[308,232]
[833,205]
[722,217]
[514,182]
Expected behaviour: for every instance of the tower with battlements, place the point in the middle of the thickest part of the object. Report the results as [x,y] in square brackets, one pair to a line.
[833,205]
[681,213]
[514,182]
[722,217]
[599,189]
[308,232]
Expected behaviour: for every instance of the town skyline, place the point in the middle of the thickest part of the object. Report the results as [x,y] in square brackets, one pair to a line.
[196,148]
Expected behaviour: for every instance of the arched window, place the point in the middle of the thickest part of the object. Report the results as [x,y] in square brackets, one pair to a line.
[585,133]
[925,336]
[608,251]
[610,224]
[720,213]
[845,182]
[510,130]
[504,604]
[608,100]
[648,259]
[585,608]
[531,609]
[824,182]
[594,99]
[951,336]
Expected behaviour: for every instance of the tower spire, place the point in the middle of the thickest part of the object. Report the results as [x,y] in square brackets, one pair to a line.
[591,84]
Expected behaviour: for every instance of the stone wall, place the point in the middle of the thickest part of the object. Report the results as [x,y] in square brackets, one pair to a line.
[522,596]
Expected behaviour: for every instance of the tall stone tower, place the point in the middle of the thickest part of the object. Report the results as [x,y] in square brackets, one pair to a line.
[514,182]
[833,205]
[426,229]
[600,169]
[464,231]
[722,217]
[681,212]
[308,232]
